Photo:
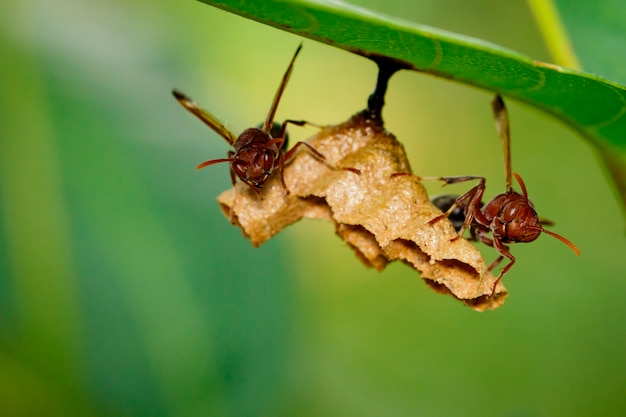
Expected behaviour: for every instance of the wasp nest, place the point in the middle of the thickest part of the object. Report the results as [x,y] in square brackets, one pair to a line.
[383,217]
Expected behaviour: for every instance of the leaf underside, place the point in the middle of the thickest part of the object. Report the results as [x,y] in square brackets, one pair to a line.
[591,105]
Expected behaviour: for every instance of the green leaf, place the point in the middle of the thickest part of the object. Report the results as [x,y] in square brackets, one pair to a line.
[598,34]
[594,106]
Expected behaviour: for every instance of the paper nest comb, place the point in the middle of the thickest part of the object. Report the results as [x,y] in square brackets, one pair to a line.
[383,217]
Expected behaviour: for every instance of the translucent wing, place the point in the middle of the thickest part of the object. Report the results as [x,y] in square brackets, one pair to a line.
[272,111]
[205,116]
[501,117]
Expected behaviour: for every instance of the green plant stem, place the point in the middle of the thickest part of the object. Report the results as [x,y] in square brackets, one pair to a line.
[554,33]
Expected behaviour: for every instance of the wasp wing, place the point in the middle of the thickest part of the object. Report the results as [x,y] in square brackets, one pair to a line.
[205,116]
[501,117]
[269,119]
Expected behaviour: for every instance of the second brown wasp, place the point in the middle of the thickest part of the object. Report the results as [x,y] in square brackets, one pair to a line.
[257,153]
[509,217]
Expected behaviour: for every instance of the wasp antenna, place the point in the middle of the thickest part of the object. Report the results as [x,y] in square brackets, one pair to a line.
[521,184]
[213,161]
[561,238]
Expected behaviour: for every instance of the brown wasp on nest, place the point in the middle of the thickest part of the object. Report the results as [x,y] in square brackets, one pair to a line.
[510,217]
[357,176]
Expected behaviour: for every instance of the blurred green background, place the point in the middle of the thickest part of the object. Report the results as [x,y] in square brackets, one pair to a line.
[125,292]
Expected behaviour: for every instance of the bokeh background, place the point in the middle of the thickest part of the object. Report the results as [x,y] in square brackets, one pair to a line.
[125,292]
